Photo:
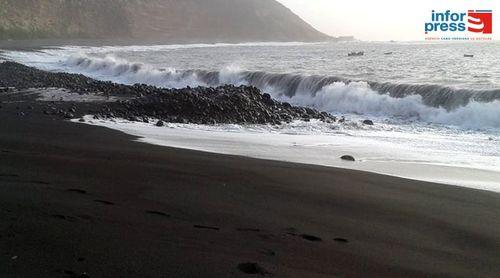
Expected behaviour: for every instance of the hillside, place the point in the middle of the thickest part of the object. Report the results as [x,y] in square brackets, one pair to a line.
[202,20]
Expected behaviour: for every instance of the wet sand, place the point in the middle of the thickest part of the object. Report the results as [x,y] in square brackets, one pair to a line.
[80,199]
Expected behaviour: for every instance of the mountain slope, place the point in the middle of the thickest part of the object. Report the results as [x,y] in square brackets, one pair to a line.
[203,20]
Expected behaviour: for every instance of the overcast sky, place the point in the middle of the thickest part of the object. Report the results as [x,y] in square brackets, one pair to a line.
[382,19]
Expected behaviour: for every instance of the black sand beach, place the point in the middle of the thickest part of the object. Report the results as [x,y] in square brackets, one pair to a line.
[84,201]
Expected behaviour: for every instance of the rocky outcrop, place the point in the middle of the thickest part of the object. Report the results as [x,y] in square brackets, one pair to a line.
[368,122]
[161,20]
[225,104]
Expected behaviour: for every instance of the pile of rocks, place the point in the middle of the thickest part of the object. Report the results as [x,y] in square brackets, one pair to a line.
[225,104]
[23,77]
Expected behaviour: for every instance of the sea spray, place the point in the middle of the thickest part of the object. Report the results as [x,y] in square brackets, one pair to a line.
[430,103]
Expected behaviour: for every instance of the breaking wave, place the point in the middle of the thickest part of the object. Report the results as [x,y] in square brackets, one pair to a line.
[429,103]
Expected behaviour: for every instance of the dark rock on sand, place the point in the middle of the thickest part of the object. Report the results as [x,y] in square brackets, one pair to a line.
[252,268]
[368,122]
[160,123]
[347,158]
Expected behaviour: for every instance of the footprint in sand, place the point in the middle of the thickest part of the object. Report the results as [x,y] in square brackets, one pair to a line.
[248,230]
[266,236]
[160,213]
[64,217]
[9,175]
[252,268]
[69,272]
[269,252]
[341,240]
[77,190]
[85,217]
[40,182]
[291,231]
[206,227]
[104,202]
[310,237]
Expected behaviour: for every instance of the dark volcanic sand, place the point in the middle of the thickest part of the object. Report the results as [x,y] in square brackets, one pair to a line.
[81,199]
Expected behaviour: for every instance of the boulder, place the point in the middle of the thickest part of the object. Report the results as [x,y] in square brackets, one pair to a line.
[347,158]
[368,122]
[267,99]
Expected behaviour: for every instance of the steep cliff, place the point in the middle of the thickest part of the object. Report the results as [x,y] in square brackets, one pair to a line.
[203,20]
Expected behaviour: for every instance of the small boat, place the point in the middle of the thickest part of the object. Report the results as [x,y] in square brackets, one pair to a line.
[468,56]
[388,53]
[361,53]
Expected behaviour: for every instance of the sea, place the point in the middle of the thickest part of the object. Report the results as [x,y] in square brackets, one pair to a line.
[436,112]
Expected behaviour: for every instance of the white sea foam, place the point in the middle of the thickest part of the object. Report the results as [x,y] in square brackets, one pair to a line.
[359,98]
[336,97]
[470,160]
[166,47]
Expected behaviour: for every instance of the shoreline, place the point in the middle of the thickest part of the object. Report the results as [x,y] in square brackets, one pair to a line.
[72,96]
[85,199]
[300,149]
[30,45]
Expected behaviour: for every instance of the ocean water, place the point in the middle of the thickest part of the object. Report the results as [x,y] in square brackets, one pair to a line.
[436,112]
